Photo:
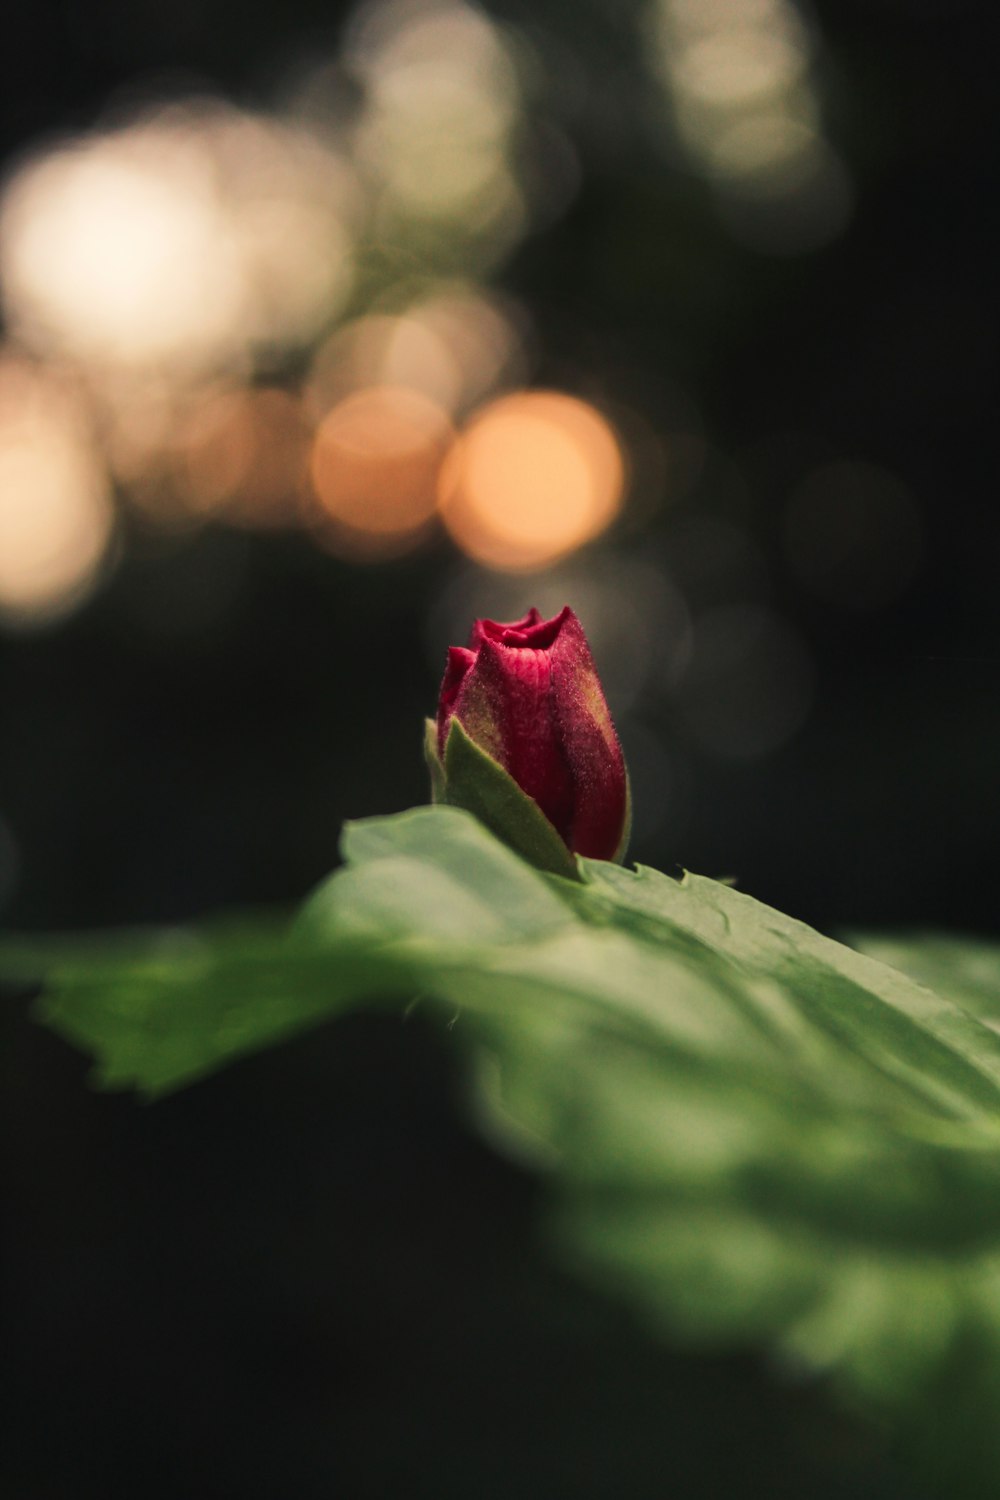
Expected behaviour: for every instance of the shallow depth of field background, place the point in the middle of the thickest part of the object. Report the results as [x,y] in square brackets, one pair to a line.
[325,328]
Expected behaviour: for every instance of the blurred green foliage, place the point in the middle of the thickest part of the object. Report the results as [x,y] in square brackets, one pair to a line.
[750,1132]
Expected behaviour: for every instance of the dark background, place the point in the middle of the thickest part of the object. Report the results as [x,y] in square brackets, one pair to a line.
[304,1278]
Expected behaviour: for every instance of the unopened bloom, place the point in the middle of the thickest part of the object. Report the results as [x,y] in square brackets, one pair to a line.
[528,695]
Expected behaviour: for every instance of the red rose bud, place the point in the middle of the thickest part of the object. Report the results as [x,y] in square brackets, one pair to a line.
[528,697]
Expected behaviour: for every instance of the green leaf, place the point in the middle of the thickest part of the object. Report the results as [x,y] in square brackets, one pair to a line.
[753,1134]
[750,1132]
[159,1010]
[965,969]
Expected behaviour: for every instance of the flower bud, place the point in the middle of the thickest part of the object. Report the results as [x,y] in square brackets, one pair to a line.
[528,697]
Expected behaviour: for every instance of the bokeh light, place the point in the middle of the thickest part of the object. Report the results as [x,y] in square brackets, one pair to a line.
[193,264]
[454,346]
[56,515]
[243,454]
[736,65]
[442,102]
[782,189]
[180,241]
[374,468]
[745,105]
[533,476]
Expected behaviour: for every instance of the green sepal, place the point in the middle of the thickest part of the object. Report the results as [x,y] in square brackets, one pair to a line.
[618,858]
[476,782]
[433,760]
